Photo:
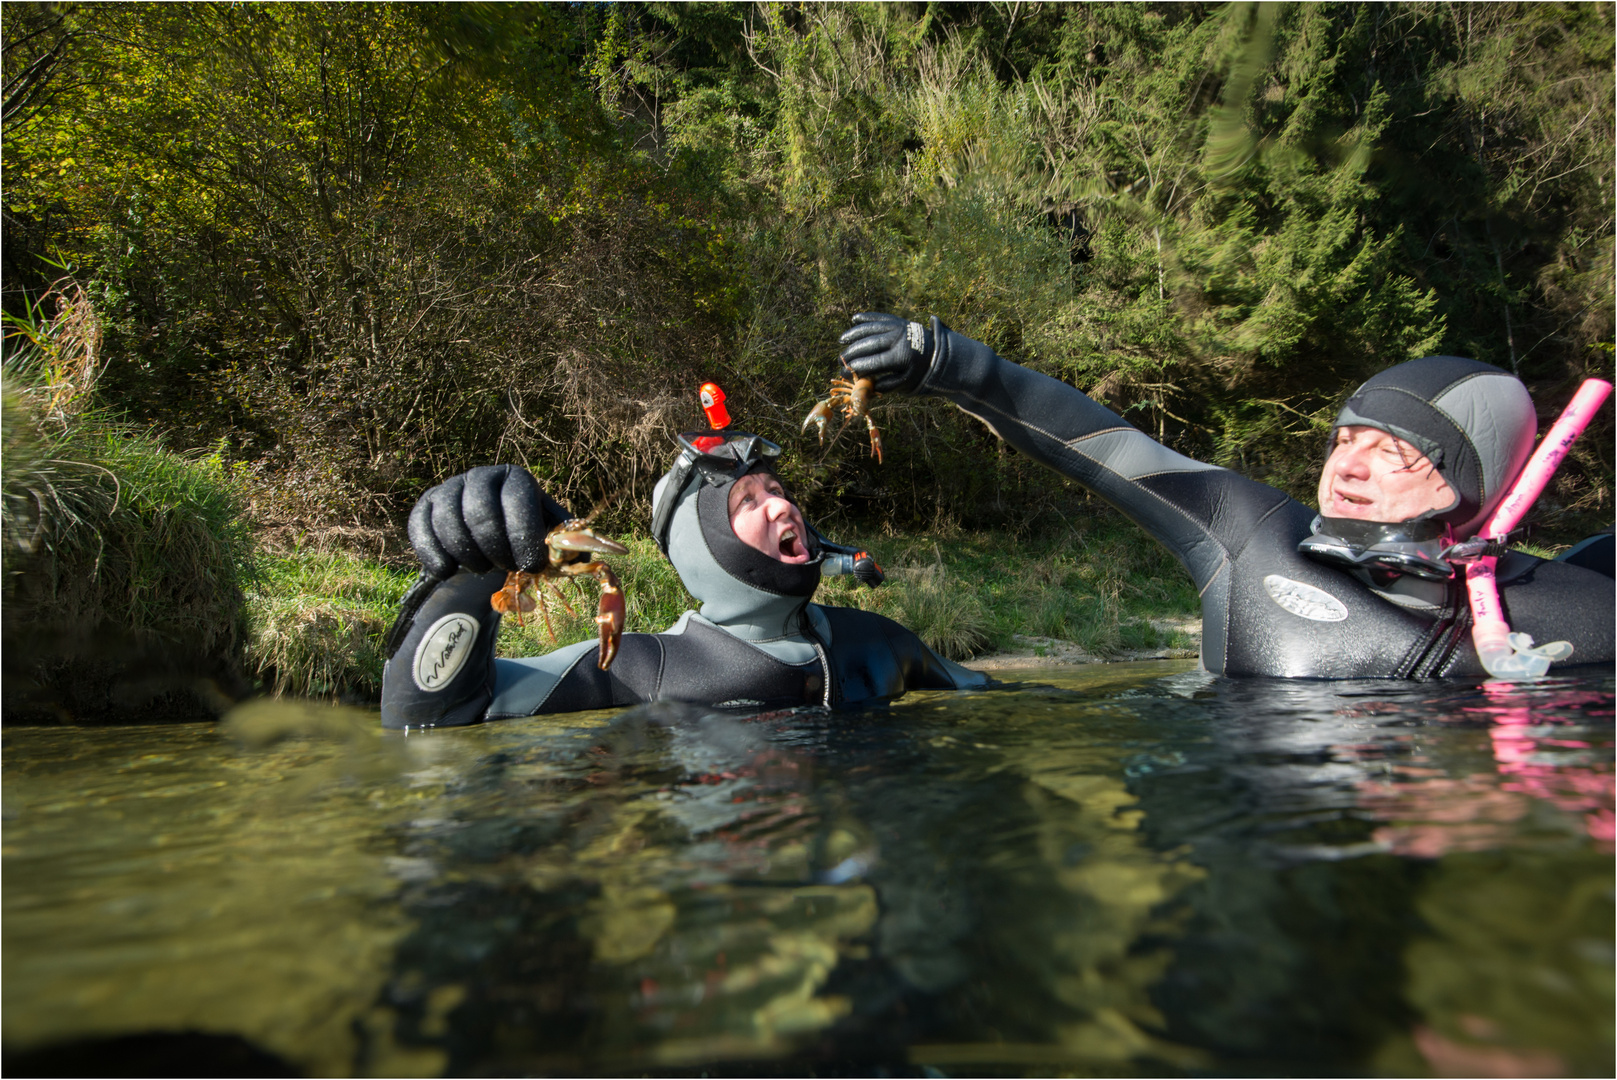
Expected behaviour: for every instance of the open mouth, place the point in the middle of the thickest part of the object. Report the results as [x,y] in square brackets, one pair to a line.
[791,547]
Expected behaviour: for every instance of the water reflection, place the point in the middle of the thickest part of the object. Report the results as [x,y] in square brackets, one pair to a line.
[1139,868]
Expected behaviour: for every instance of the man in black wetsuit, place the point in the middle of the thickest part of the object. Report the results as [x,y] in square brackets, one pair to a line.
[1421,455]
[738,542]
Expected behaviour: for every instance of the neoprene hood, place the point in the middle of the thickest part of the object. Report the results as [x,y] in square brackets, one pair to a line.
[740,588]
[1474,421]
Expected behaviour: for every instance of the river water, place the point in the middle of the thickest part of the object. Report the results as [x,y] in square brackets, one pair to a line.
[1130,869]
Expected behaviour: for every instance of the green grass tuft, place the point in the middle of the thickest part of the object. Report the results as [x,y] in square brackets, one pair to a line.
[1096,585]
[123,567]
[316,621]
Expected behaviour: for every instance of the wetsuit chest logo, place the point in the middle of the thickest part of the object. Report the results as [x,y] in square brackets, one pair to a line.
[1305,600]
[443,651]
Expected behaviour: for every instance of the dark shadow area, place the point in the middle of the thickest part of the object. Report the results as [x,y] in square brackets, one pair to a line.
[151,1053]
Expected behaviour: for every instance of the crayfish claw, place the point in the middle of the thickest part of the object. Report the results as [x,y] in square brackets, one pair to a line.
[570,546]
[609,616]
[875,439]
[576,536]
[819,416]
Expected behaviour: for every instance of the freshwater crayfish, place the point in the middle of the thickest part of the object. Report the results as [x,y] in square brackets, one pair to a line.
[853,396]
[571,545]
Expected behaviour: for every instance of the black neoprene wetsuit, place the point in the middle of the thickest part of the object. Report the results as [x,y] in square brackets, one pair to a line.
[445,673]
[1266,609]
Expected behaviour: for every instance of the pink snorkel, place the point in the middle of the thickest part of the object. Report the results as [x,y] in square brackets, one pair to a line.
[1504,654]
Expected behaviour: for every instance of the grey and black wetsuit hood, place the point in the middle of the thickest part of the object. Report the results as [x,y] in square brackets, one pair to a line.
[745,591]
[1473,421]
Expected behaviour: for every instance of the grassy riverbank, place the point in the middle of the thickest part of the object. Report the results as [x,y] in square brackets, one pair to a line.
[316,618]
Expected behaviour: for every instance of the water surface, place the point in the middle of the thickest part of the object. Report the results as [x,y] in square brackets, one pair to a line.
[1122,869]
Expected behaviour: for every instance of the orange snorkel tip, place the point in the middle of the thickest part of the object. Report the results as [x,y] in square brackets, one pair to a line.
[718,417]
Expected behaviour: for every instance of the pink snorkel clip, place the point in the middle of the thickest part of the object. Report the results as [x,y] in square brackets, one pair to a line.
[1508,655]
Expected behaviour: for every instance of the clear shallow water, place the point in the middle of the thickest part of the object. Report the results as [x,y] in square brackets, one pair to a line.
[1131,869]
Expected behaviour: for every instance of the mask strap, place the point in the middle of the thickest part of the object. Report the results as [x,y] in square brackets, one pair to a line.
[662,515]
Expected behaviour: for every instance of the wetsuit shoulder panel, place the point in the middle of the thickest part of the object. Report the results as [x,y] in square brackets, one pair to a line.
[1597,553]
[874,657]
[570,679]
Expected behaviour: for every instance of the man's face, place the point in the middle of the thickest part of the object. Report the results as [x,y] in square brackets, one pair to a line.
[764,518]
[1374,476]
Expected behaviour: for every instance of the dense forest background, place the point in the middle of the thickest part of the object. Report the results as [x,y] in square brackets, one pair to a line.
[354,248]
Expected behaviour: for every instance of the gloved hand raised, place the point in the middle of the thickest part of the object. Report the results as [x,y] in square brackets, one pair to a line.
[487,518]
[893,352]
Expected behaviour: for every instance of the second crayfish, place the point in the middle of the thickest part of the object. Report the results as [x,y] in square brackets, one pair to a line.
[853,396]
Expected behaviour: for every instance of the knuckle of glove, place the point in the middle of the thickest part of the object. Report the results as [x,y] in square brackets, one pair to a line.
[434,559]
[450,527]
[529,515]
[482,511]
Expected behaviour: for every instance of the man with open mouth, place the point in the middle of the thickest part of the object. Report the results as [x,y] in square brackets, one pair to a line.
[740,544]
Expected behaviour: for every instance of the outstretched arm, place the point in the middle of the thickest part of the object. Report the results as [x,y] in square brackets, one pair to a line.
[1200,512]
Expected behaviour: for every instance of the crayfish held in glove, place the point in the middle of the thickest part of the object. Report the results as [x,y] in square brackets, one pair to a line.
[853,396]
[572,546]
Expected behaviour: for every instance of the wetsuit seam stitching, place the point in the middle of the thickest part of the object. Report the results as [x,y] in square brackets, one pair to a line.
[1258,524]
[1166,472]
[1016,420]
[1107,431]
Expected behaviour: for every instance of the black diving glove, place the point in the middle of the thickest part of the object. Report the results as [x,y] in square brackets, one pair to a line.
[493,517]
[894,352]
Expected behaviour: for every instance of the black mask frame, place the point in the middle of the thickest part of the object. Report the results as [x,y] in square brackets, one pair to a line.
[739,454]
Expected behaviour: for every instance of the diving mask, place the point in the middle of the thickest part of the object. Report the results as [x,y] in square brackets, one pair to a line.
[1416,547]
[719,457]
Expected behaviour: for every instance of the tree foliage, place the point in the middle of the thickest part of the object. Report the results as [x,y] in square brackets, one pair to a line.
[370,245]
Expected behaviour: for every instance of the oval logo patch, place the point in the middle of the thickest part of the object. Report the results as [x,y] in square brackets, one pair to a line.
[443,651]
[1303,599]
